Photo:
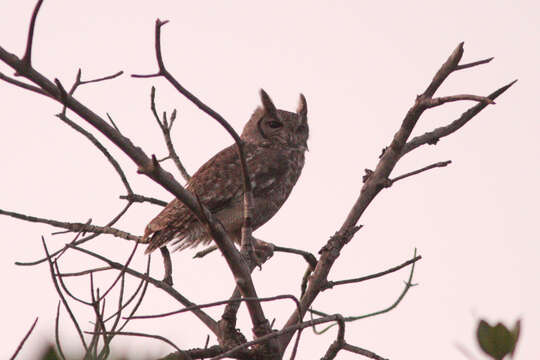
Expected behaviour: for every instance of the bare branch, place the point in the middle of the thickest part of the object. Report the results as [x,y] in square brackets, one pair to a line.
[122,272]
[374,183]
[433,102]
[142,198]
[331,284]
[56,332]
[100,147]
[21,344]
[446,69]
[476,63]
[237,265]
[205,318]
[309,257]
[122,306]
[433,136]
[75,241]
[429,167]
[131,333]
[64,301]
[64,287]
[22,84]
[27,58]
[84,272]
[109,77]
[217,303]
[74,227]
[286,330]
[408,285]
[166,130]
[364,352]
[204,252]
[147,167]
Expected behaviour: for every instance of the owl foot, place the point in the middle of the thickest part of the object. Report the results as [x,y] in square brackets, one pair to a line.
[262,251]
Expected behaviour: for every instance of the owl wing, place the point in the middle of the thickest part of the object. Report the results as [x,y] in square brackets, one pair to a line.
[215,184]
[218,185]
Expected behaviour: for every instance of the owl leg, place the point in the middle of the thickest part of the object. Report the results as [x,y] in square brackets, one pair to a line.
[168,265]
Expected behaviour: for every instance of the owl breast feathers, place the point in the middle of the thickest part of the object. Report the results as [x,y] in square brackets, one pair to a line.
[275,143]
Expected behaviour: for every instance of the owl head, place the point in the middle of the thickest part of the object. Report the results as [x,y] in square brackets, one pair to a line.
[269,125]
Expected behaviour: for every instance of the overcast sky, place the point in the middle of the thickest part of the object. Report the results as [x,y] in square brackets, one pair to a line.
[360,65]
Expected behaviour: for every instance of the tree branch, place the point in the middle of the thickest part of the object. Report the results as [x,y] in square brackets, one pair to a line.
[74,227]
[433,137]
[205,318]
[429,167]
[331,284]
[372,186]
[166,128]
[239,268]
[21,344]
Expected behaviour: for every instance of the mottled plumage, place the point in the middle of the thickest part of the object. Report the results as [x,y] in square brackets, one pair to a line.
[275,143]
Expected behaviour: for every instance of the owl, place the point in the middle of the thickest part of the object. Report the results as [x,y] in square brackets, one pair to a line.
[275,142]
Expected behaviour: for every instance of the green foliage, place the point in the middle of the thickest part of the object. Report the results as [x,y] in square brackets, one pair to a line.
[497,341]
[49,354]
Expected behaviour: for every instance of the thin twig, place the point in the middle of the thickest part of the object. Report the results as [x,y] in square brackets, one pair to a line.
[360,351]
[142,198]
[433,102]
[217,303]
[433,136]
[166,130]
[286,330]
[100,147]
[109,77]
[204,252]
[27,58]
[309,257]
[64,301]
[429,167]
[57,332]
[21,343]
[131,333]
[22,85]
[408,285]
[205,318]
[331,284]
[376,182]
[143,293]
[234,260]
[84,272]
[122,271]
[475,63]
[74,227]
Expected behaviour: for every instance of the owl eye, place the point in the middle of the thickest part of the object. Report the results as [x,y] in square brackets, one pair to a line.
[274,124]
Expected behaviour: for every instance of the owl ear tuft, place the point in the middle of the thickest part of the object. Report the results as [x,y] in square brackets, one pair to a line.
[302,106]
[268,105]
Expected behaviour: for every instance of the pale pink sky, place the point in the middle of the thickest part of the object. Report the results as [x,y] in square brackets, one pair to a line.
[360,65]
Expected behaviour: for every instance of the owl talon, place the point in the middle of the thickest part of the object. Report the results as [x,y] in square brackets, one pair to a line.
[262,252]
